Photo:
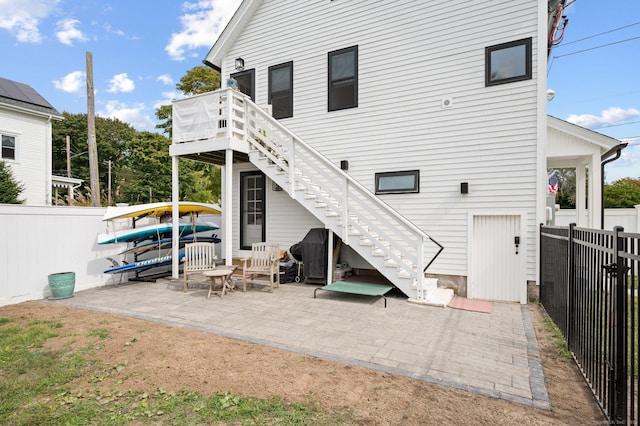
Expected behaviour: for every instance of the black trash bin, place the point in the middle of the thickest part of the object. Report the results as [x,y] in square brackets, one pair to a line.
[312,252]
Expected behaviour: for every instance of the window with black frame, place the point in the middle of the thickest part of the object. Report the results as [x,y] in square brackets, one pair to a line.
[281,90]
[343,78]
[400,182]
[508,62]
[8,147]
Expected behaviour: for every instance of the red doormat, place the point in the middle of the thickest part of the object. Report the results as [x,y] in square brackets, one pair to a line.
[471,305]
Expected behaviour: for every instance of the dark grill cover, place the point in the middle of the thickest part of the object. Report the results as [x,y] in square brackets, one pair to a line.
[312,251]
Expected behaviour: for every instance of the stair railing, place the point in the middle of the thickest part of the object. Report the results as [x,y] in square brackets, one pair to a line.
[357,210]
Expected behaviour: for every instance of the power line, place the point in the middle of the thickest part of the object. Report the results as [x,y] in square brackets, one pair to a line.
[599,34]
[596,47]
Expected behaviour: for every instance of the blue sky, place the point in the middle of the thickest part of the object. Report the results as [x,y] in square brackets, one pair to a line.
[596,76]
[141,48]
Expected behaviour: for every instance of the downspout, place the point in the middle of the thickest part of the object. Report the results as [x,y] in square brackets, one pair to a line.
[606,160]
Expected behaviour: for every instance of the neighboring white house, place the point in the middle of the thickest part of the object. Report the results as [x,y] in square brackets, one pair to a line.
[395,125]
[25,131]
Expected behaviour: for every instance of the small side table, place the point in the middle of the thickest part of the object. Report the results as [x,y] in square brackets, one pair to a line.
[221,274]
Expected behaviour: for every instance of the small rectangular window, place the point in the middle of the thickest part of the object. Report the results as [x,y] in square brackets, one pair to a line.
[398,182]
[8,147]
[508,62]
[281,90]
[343,78]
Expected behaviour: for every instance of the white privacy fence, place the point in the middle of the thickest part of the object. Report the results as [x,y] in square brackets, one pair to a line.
[36,241]
[629,219]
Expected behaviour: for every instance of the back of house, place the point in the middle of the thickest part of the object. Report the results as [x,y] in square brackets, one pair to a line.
[437,108]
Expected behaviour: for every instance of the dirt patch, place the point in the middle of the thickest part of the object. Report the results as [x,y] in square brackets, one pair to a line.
[145,356]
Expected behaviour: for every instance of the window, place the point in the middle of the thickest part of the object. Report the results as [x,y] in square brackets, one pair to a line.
[281,90]
[8,147]
[246,82]
[508,62]
[398,182]
[252,205]
[343,78]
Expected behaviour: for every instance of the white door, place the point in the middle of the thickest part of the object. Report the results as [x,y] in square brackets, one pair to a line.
[497,259]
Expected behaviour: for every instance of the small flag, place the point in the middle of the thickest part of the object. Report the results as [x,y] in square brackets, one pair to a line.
[552,187]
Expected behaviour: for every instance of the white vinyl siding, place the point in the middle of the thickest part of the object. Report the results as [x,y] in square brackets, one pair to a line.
[32,165]
[411,56]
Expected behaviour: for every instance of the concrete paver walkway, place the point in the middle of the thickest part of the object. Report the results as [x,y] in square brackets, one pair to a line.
[491,354]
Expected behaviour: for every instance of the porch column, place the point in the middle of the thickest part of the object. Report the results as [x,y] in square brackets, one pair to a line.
[581,195]
[227,207]
[175,220]
[595,193]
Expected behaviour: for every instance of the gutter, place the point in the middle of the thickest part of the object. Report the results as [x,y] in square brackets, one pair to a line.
[617,150]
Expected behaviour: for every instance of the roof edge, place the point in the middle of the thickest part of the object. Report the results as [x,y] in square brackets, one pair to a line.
[53,114]
[598,139]
[238,21]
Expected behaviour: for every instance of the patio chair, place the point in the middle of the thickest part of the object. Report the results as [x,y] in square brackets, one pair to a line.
[198,258]
[264,260]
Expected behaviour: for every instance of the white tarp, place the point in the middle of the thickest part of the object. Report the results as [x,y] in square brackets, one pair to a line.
[196,118]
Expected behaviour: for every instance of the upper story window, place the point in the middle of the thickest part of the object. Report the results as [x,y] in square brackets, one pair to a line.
[508,62]
[246,82]
[8,147]
[281,90]
[343,78]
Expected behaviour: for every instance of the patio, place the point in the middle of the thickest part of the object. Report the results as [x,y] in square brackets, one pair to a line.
[491,354]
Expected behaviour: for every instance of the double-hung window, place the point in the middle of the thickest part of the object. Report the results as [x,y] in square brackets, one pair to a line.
[8,147]
[281,90]
[508,62]
[343,78]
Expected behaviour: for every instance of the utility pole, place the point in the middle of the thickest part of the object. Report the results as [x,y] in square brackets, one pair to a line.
[109,183]
[68,156]
[91,131]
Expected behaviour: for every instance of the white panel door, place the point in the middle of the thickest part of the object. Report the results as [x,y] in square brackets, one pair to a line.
[497,264]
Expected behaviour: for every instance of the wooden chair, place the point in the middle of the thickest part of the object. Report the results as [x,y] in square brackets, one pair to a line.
[198,257]
[264,260]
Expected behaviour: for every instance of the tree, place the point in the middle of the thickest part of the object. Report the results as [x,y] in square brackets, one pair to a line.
[114,140]
[10,188]
[623,193]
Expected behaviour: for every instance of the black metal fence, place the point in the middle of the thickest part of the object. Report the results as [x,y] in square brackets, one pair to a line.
[589,288]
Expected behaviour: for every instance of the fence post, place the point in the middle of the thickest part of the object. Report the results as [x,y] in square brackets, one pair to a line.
[620,329]
[571,287]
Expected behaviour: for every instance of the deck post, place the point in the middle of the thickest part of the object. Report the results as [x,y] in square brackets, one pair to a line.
[175,219]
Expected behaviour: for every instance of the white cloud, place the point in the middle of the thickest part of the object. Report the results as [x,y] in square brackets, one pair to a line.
[121,83]
[165,79]
[21,17]
[67,32]
[132,114]
[71,83]
[608,117]
[202,23]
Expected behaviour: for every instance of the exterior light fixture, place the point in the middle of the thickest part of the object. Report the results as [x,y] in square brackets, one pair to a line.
[239,64]
[464,187]
[550,94]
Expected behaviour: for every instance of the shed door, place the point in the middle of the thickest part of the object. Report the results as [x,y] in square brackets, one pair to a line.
[497,265]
